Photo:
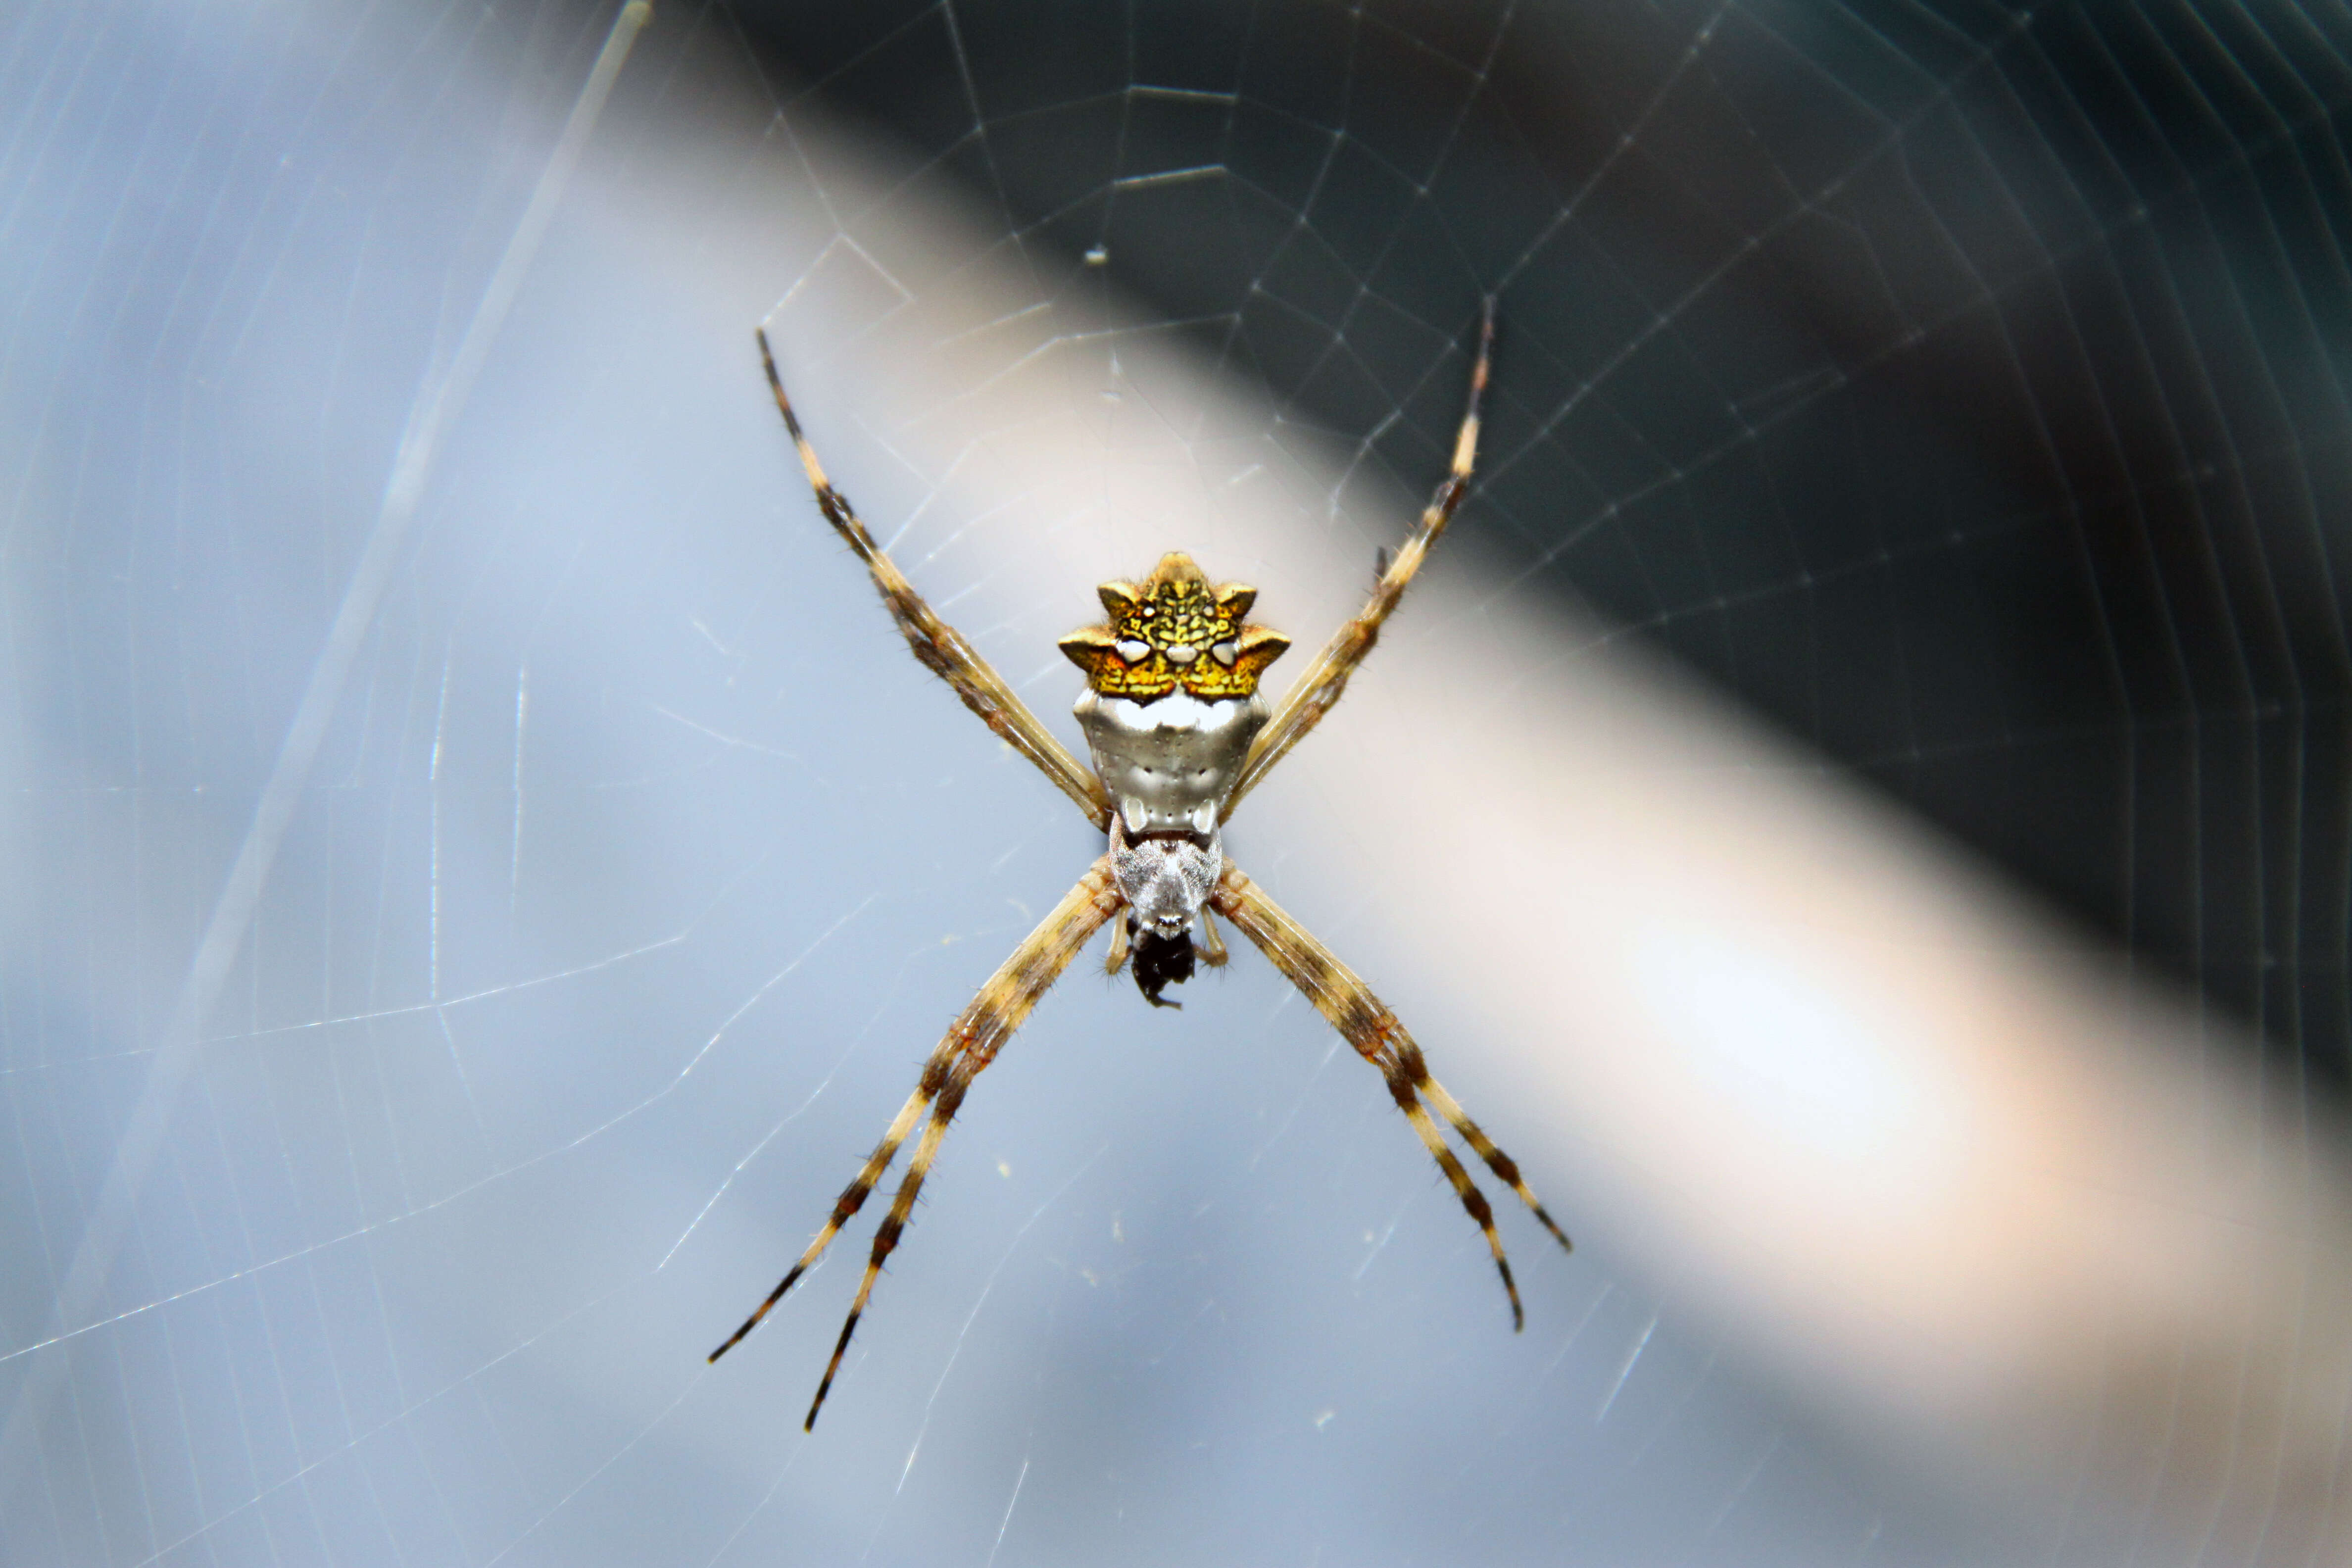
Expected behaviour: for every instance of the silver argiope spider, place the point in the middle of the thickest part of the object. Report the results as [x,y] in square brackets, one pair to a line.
[1179,733]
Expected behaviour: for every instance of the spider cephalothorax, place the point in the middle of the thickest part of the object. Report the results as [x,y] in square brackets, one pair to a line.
[1178,734]
[1173,629]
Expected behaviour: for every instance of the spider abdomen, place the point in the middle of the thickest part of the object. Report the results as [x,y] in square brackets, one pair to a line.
[1170,763]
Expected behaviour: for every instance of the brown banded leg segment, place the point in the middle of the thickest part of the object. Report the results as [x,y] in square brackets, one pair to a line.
[1506,1169]
[853,1197]
[1319,688]
[970,1045]
[885,1240]
[941,649]
[1381,1040]
[989,1019]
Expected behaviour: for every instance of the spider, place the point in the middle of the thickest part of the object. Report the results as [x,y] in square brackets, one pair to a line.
[1178,734]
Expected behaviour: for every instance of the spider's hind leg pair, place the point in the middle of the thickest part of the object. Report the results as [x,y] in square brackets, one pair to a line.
[1178,733]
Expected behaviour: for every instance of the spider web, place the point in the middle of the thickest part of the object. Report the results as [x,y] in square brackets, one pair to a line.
[482,870]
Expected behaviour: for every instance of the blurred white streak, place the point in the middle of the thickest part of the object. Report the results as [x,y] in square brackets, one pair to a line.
[1853,1100]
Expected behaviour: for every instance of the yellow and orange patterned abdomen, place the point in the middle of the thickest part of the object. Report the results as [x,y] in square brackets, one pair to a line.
[1174,629]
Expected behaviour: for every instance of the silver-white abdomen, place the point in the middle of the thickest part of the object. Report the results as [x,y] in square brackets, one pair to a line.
[1169,763]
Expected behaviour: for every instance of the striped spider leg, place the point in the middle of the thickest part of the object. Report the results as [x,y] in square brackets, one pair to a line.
[1320,686]
[988,1020]
[1178,731]
[1367,1023]
[941,648]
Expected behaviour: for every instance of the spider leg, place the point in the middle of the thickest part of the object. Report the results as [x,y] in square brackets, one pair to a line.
[1116,960]
[1320,685]
[886,1239]
[988,1020]
[1367,1025]
[1506,1169]
[939,646]
[853,1197]
[1213,946]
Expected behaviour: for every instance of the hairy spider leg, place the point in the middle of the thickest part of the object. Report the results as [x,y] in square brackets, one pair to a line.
[1381,1040]
[989,1020]
[1319,688]
[853,1197]
[886,1239]
[939,646]
[1506,1169]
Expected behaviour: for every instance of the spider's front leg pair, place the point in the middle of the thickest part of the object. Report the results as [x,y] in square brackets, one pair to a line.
[1178,734]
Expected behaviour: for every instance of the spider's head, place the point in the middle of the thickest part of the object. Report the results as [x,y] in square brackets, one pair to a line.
[1174,628]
